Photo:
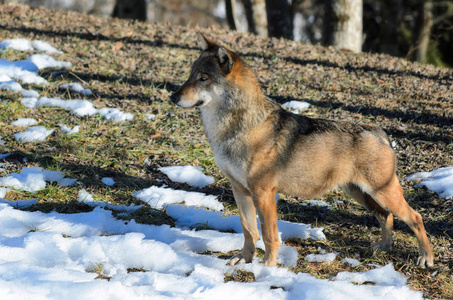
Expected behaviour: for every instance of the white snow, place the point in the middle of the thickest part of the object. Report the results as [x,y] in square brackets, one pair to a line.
[76,87]
[44,47]
[67,130]
[6,83]
[188,174]
[3,192]
[81,108]
[84,196]
[30,93]
[29,102]
[78,107]
[24,122]
[33,179]
[43,61]
[150,116]
[115,114]
[26,45]
[328,257]
[33,134]
[16,44]
[59,256]
[26,71]
[322,257]
[439,181]
[379,275]
[108,181]
[191,217]
[319,203]
[351,261]
[295,105]
[159,197]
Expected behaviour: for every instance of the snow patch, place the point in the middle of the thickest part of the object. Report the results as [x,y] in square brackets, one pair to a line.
[439,181]
[159,197]
[76,87]
[351,261]
[33,179]
[191,175]
[328,257]
[295,105]
[26,45]
[24,122]
[33,134]
[69,131]
[108,181]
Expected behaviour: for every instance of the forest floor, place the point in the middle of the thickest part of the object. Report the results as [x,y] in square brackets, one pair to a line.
[135,66]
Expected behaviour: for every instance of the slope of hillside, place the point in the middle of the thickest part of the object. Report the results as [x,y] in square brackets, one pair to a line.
[134,66]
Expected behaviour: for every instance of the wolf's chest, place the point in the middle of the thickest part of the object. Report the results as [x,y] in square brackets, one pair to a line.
[232,163]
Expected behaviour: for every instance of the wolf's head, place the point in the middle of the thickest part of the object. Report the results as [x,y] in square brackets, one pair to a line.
[208,78]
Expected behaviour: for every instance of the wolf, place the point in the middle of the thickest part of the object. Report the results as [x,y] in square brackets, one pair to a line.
[263,149]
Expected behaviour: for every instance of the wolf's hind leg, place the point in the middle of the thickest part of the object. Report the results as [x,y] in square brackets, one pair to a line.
[247,213]
[391,198]
[384,217]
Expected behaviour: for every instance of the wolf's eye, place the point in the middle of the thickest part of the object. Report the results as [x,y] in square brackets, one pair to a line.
[203,78]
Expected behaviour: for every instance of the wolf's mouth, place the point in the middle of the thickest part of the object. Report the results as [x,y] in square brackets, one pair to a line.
[199,103]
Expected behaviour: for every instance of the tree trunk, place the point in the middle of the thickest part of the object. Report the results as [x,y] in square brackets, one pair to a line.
[390,13]
[255,11]
[425,23]
[230,8]
[343,24]
[279,22]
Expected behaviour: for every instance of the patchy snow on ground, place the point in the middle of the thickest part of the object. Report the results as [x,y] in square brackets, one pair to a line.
[150,116]
[323,256]
[26,71]
[67,130]
[24,122]
[439,181]
[78,107]
[319,203]
[26,45]
[351,261]
[76,87]
[328,257]
[60,256]
[33,134]
[33,179]
[108,181]
[115,115]
[160,197]
[295,105]
[191,175]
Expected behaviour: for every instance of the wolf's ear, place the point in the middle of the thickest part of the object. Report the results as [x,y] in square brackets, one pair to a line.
[206,43]
[226,60]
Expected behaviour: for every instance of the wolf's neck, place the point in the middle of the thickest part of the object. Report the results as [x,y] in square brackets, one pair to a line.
[237,113]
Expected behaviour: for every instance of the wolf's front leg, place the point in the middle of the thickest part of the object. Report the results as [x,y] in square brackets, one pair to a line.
[247,213]
[264,200]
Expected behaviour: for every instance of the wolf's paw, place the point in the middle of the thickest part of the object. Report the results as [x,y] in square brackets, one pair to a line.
[239,259]
[384,246]
[425,261]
